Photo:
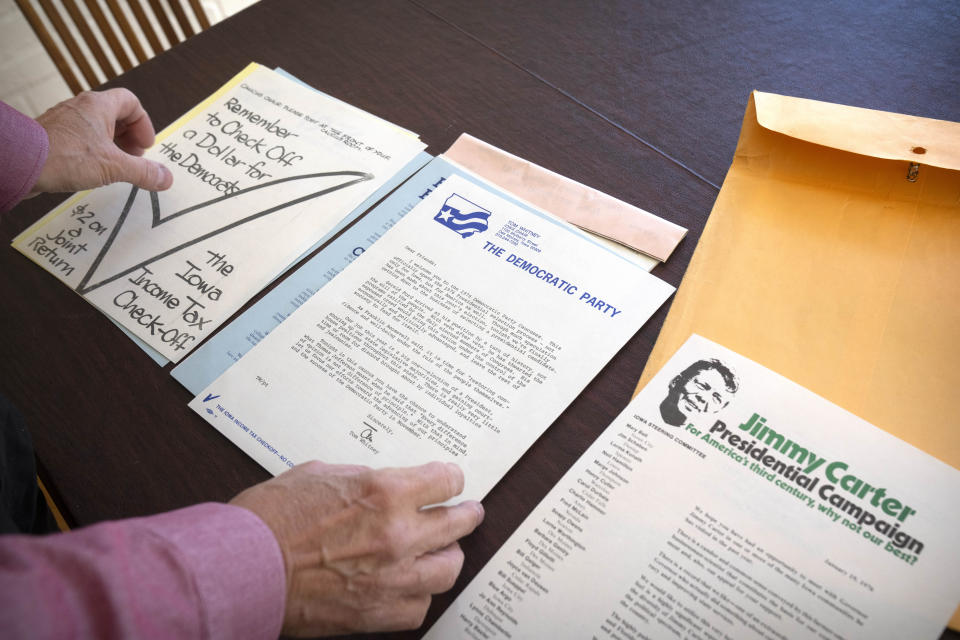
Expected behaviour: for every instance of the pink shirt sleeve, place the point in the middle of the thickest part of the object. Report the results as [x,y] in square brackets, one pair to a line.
[207,571]
[23,150]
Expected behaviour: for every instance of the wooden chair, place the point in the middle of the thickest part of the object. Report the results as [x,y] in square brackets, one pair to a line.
[103,31]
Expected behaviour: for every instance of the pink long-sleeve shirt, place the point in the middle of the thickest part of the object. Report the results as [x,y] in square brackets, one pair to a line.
[207,571]
[23,150]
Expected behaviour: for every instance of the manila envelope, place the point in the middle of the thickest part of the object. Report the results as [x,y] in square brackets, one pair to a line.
[832,256]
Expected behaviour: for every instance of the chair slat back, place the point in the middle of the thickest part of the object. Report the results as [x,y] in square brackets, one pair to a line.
[87,41]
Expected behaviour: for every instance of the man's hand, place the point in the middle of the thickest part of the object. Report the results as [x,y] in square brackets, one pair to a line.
[96,138]
[361,553]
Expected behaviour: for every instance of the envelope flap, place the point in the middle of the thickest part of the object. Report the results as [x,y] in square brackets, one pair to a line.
[880,134]
[572,201]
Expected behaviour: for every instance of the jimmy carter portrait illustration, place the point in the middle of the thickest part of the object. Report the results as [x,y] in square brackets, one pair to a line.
[703,388]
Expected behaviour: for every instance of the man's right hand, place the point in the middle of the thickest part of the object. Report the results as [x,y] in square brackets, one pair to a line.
[360,551]
[97,138]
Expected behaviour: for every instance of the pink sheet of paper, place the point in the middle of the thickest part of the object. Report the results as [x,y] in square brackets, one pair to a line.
[578,204]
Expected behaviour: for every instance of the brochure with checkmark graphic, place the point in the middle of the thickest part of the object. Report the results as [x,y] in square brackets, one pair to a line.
[263,169]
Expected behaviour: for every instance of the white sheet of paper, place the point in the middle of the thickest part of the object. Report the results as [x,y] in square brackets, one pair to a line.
[262,170]
[220,352]
[460,335]
[710,530]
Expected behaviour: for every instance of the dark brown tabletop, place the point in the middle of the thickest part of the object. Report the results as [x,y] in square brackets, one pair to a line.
[642,100]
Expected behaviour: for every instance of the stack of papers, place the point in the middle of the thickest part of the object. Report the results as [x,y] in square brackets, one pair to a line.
[459,335]
[465,320]
[263,169]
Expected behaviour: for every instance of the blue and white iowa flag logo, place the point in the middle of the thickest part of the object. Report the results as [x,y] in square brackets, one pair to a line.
[462,216]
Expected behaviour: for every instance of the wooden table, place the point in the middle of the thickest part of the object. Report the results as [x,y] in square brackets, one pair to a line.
[642,100]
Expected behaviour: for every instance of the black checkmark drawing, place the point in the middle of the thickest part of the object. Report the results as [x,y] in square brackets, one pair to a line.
[158,220]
